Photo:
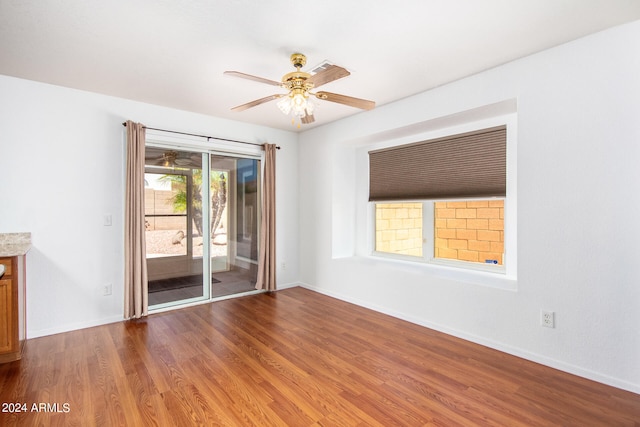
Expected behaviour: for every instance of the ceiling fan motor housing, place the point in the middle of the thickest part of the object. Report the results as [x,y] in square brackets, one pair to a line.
[297,80]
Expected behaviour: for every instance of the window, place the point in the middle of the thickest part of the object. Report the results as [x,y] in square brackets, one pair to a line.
[442,200]
[470,231]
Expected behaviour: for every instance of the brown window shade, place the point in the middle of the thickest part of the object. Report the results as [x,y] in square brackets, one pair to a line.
[467,165]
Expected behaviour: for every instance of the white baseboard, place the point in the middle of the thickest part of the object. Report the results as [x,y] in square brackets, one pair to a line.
[288,285]
[74,327]
[515,351]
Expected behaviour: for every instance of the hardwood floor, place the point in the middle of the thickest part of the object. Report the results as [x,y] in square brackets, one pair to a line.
[291,358]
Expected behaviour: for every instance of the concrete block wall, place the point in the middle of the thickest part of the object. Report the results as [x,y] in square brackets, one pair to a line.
[160,202]
[399,228]
[466,231]
[470,231]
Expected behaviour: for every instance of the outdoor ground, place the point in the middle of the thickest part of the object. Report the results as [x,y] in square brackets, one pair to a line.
[160,242]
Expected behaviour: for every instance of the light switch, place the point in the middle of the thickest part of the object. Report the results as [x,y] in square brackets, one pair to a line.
[107,220]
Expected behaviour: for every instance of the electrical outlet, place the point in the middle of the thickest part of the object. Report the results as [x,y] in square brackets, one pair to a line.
[107,289]
[547,319]
[283,265]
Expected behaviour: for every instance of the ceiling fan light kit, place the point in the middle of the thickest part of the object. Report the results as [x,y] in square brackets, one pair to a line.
[298,84]
[297,103]
[169,158]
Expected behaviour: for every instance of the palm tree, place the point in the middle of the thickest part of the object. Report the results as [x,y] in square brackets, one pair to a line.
[218,192]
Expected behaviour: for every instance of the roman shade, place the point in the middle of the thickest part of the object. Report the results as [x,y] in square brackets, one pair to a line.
[468,165]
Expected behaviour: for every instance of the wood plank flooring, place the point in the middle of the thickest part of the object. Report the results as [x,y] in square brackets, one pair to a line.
[291,358]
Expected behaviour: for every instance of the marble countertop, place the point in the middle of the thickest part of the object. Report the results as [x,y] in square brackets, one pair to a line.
[14,244]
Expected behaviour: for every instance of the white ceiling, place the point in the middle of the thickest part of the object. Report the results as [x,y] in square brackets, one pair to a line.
[174,53]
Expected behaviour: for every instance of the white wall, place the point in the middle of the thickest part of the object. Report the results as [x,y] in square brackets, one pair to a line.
[62,160]
[578,210]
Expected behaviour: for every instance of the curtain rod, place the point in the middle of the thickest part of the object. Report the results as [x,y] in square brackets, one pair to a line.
[200,136]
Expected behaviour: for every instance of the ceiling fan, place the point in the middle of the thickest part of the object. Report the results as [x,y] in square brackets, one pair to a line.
[298,85]
[170,158]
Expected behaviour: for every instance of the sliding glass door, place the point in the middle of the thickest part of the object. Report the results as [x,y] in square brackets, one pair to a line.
[188,222]
[234,251]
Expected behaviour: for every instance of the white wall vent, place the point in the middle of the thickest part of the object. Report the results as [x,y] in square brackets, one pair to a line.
[322,66]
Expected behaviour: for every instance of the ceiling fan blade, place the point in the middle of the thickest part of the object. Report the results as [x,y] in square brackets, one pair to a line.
[329,74]
[256,102]
[254,78]
[308,119]
[346,100]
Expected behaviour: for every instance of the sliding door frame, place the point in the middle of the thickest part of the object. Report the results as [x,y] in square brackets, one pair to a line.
[206,148]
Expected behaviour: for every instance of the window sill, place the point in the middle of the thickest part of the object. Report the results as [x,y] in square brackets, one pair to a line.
[497,279]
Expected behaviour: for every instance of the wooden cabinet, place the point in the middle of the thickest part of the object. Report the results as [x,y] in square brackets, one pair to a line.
[12,309]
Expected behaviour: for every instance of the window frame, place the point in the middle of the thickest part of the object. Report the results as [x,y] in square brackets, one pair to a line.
[160,170]
[429,237]
[209,147]
[504,276]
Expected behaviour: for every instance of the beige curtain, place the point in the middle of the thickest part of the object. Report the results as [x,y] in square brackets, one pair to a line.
[135,269]
[267,261]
